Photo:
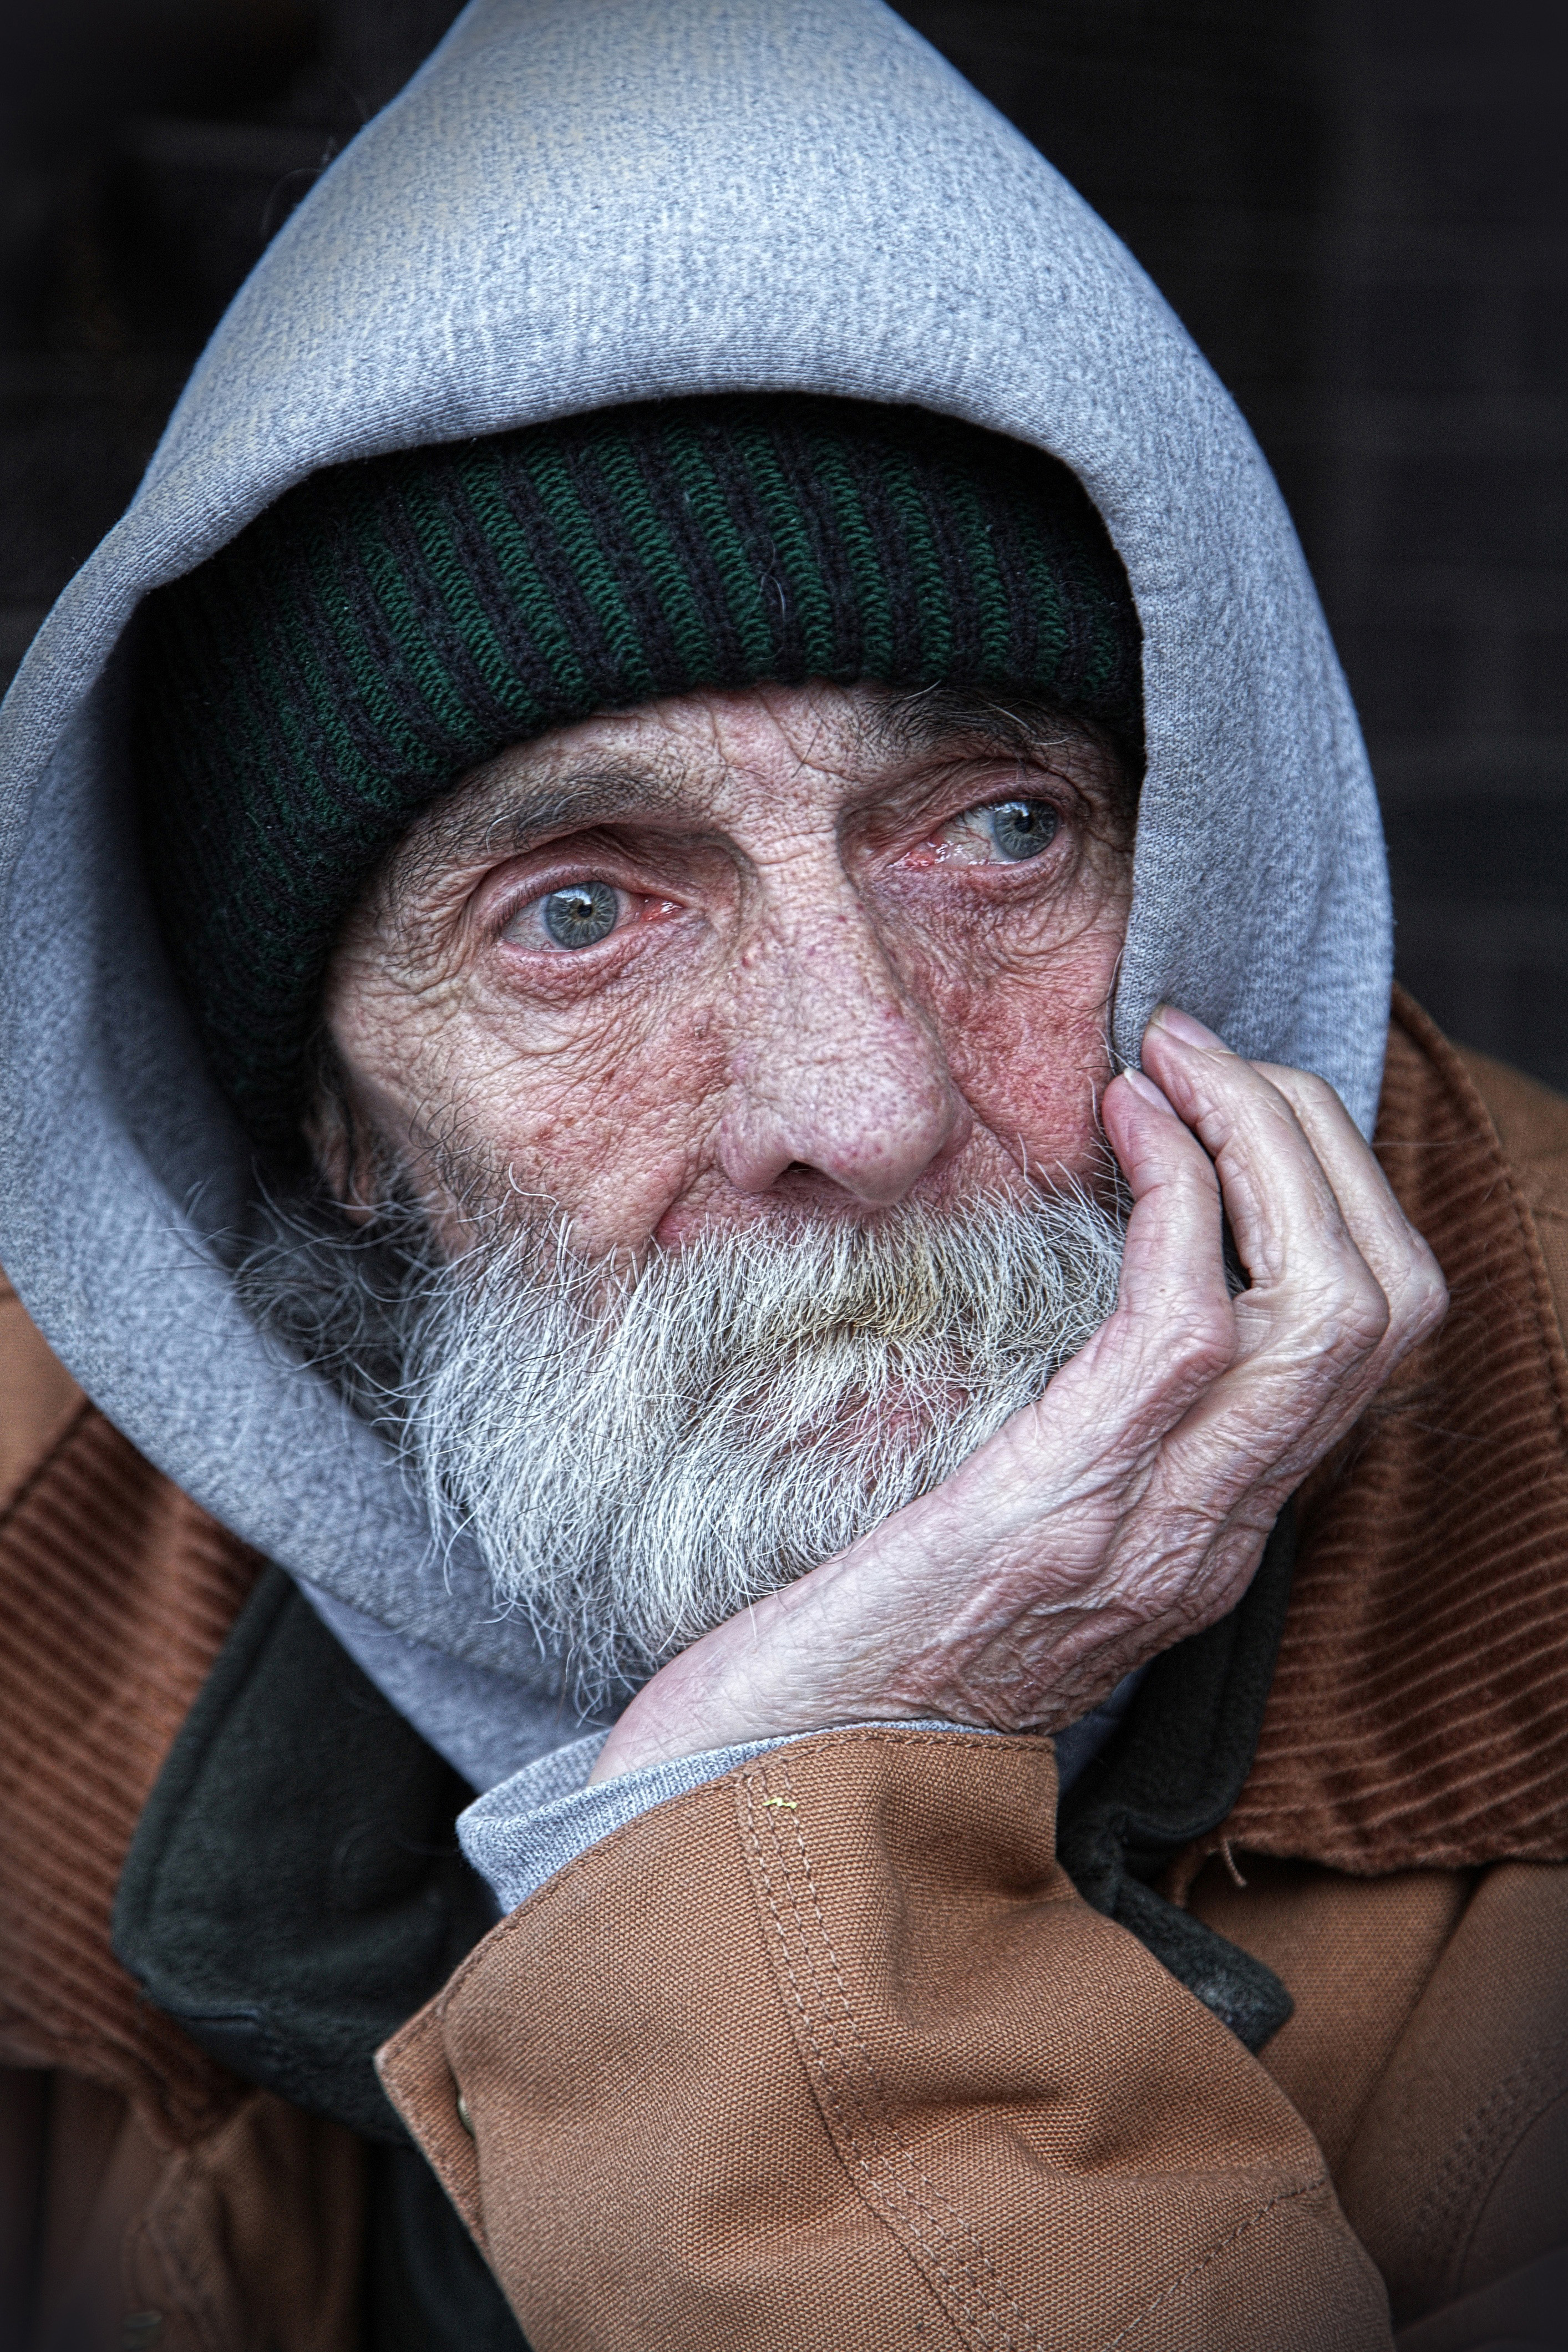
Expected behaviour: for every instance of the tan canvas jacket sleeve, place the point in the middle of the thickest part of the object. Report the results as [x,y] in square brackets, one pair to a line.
[830,2052]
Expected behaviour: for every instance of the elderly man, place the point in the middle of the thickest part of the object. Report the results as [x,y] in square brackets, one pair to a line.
[691,1024]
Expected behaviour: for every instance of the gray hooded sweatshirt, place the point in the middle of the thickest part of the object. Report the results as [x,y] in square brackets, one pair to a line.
[574,204]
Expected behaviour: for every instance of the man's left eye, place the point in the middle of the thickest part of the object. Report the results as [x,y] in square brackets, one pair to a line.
[1013,829]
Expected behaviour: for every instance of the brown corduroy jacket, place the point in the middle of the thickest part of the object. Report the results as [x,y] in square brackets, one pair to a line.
[831,2051]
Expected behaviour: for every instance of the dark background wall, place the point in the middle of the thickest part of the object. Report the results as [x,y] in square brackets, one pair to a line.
[1360,207]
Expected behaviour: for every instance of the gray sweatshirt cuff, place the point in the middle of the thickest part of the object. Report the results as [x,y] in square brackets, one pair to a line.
[522,1832]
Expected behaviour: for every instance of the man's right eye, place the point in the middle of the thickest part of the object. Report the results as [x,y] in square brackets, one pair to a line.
[578,915]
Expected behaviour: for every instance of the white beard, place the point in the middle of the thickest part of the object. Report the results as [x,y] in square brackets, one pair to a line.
[639,1455]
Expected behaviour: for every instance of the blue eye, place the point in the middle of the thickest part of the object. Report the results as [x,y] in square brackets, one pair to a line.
[580,915]
[1021,829]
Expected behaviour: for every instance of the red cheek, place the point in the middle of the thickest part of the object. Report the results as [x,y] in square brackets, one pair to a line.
[1029,1058]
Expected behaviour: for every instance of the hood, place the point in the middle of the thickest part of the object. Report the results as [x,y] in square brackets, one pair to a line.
[577,202]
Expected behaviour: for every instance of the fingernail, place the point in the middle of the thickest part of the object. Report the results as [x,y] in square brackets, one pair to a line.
[1182,1026]
[1146,1090]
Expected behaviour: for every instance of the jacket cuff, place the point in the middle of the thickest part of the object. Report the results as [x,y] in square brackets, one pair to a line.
[519,1834]
[829,2051]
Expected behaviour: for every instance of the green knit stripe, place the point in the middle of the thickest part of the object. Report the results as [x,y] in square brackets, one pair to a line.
[432,521]
[346,645]
[867,573]
[539,611]
[1053,641]
[584,557]
[282,729]
[667,575]
[988,589]
[416,660]
[792,549]
[692,470]
[933,597]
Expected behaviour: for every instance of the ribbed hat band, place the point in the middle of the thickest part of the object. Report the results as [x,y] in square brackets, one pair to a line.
[390,625]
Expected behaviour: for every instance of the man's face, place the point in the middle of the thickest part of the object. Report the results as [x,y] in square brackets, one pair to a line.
[808,951]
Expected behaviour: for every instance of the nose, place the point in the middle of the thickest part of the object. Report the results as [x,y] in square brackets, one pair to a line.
[834,1068]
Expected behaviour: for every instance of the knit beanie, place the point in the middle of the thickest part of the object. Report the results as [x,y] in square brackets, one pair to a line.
[389,625]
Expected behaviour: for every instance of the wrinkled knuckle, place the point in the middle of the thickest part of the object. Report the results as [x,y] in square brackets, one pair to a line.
[1201,1344]
[1425,1300]
[1357,1316]
[1307,1086]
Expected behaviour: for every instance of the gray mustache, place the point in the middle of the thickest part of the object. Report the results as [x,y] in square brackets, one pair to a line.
[640,1453]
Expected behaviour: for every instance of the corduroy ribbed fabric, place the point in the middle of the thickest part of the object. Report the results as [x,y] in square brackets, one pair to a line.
[390,625]
[118,1594]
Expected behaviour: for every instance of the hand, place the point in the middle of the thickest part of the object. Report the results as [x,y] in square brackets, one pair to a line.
[1130,1506]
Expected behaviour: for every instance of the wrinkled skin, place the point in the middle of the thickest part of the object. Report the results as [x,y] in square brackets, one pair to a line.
[826,986]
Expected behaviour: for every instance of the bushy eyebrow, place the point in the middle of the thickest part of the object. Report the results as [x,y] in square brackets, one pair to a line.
[934,718]
[455,833]
[887,731]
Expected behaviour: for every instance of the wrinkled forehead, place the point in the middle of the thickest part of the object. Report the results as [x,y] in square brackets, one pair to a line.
[724,759]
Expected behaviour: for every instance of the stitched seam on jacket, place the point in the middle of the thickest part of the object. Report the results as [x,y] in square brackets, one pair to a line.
[417,2038]
[834,2099]
[1221,2246]
[967,2315]
[690,1808]
[1489,2137]
[977,2315]
[959,2222]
